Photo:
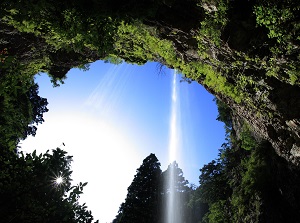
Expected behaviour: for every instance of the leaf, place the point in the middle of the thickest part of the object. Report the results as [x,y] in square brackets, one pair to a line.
[34,154]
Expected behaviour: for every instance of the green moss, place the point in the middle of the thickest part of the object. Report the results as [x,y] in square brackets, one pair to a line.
[219,83]
[134,42]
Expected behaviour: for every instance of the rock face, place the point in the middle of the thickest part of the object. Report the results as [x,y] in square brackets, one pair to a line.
[282,129]
[278,123]
[274,108]
[27,48]
[272,104]
[261,71]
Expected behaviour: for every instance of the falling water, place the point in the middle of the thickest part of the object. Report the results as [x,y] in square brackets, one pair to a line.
[172,215]
[174,121]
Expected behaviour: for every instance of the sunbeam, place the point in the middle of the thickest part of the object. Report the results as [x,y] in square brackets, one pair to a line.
[105,98]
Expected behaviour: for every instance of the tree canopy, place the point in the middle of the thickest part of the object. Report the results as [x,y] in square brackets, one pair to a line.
[30,191]
[142,201]
[244,184]
[148,194]
[21,109]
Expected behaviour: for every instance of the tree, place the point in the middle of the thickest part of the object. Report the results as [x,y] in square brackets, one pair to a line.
[149,192]
[30,191]
[141,203]
[21,108]
[180,184]
[38,108]
[244,183]
[213,182]
[175,194]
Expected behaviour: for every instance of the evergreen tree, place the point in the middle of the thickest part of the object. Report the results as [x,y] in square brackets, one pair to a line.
[180,183]
[141,204]
[175,185]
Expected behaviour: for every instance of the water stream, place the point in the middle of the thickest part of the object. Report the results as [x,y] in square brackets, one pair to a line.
[172,215]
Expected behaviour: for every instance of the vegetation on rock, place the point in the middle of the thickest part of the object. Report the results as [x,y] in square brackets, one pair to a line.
[244,52]
[240,51]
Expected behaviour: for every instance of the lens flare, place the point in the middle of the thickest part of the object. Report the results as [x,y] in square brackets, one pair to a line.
[59,180]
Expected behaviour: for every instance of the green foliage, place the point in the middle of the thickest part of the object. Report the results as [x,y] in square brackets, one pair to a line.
[244,183]
[220,84]
[179,182]
[113,59]
[210,77]
[247,197]
[134,42]
[215,20]
[29,191]
[21,108]
[236,186]
[233,187]
[214,185]
[119,32]
[69,29]
[217,213]
[129,39]
[224,115]
[254,176]
[247,140]
[246,209]
[5,59]
[149,191]
[143,194]
[137,43]
[279,19]
[84,67]
[75,33]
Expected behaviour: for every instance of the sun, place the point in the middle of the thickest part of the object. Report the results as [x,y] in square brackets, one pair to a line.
[59,180]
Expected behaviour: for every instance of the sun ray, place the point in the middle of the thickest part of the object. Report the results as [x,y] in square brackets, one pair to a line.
[58,180]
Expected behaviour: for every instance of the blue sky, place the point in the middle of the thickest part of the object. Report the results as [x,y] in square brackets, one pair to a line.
[113,116]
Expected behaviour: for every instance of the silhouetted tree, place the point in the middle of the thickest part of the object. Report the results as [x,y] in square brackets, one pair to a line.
[21,108]
[30,193]
[141,204]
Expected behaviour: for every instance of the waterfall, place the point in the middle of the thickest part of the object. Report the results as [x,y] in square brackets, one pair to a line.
[172,214]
